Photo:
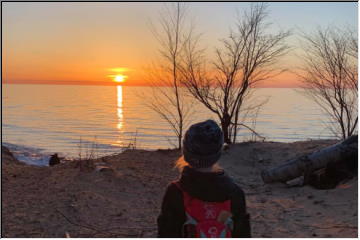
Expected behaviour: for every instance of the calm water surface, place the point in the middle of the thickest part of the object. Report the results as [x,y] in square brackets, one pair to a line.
[53,118]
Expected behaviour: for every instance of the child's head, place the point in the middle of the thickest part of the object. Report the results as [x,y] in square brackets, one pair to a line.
[202,144]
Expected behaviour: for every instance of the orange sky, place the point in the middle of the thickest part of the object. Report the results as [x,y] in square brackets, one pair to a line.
[82,43]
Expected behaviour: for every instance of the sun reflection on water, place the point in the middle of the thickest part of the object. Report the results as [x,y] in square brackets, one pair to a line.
[120,108]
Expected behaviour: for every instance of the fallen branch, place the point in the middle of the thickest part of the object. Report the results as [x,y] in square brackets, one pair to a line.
[108,230]
[76,224]
[252,130]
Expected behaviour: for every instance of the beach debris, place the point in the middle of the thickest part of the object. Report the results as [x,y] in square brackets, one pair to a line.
[103,167]
[322,169]
[54,159]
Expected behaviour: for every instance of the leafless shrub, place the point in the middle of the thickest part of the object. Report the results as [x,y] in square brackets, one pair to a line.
[131,145]
[87,155]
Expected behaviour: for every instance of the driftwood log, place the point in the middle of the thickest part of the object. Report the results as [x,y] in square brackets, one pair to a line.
[346,151]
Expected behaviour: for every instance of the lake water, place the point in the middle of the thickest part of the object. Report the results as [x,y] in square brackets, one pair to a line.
[57,118]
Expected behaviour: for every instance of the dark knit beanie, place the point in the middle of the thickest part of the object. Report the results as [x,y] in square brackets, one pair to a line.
[202,144]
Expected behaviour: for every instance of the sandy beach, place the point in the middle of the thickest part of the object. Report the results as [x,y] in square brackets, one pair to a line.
[124,200]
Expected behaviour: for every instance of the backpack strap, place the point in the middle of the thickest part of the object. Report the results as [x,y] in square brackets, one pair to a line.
[186,195]
[189,219]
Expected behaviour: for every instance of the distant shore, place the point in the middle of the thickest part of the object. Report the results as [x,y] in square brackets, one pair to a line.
[120,195]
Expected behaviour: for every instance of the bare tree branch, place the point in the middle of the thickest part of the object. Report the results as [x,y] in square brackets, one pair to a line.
[169,100]
[243,60]
[330,76]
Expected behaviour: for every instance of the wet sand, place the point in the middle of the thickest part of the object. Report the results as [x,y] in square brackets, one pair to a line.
[124,200]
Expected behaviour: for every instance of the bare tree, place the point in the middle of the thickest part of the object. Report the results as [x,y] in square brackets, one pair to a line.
[330,76]
[245,58]
[168,99]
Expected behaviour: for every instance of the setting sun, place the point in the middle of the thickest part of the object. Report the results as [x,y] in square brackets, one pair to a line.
[119,78]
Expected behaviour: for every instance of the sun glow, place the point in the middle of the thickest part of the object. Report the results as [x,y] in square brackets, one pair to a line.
[118,74]
[119,78]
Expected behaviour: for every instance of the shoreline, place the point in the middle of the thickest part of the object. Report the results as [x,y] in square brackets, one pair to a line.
[37,156]
[123,199]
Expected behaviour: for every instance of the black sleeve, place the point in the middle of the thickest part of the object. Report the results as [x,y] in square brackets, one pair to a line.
[241,218]
[172,216]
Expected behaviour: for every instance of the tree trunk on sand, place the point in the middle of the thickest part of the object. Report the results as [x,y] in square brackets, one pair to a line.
[225,129]
[347,149]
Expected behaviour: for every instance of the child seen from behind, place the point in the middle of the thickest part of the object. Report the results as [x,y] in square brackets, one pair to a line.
[205,201]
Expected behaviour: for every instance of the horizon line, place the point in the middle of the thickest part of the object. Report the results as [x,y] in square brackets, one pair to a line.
[114,84]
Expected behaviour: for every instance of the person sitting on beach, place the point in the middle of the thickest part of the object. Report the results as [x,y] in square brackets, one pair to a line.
[204,202]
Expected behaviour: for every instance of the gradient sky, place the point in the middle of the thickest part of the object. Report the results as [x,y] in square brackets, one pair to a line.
[84,42]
